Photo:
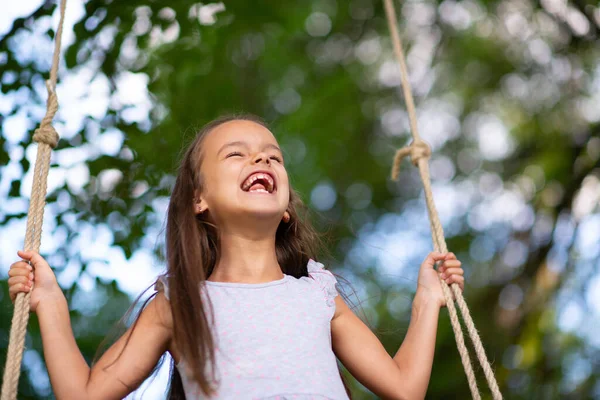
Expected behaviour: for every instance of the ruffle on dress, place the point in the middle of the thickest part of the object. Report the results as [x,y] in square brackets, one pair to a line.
[162,285]
[325,279]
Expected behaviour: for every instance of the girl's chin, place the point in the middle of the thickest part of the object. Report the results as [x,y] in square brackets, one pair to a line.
[261,211]
[253,205]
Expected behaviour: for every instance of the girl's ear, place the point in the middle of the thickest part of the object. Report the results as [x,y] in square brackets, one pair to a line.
[286,217]
[199,206]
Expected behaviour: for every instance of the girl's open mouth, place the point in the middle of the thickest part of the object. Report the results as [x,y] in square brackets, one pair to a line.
[259,182]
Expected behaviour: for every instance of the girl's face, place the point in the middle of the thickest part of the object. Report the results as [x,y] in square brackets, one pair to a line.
[242,174]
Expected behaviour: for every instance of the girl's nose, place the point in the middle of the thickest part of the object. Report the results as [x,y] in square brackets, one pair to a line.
[261,157]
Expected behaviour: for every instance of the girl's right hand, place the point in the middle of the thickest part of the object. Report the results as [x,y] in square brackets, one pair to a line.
[22,276]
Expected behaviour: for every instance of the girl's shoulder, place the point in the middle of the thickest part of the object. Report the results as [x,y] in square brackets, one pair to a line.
[324,279]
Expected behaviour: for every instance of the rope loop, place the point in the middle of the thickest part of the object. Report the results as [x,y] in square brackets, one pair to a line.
[46,132]
[417,150]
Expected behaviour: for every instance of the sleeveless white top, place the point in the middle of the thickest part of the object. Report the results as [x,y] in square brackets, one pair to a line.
[273,340]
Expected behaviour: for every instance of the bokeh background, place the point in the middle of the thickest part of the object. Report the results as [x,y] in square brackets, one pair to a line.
[508,96]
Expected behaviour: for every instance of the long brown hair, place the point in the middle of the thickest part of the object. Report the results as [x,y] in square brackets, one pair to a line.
[192,251]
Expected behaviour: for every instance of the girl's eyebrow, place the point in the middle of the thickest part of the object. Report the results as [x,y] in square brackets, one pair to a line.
[272,146]
[232,144]
[244,144]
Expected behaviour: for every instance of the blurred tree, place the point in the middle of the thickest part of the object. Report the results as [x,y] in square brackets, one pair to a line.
[508,97]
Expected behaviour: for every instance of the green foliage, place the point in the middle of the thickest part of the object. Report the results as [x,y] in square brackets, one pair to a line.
[506,96]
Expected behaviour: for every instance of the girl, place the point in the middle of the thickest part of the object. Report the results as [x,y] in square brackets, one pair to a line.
[244,310]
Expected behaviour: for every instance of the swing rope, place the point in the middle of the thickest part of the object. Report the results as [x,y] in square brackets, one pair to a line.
[47,139]
[420,153]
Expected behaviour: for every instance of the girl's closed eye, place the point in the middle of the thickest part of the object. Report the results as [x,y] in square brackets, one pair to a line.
[234,154]
[277,158]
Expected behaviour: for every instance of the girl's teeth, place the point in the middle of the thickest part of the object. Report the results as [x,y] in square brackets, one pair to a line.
[256,177]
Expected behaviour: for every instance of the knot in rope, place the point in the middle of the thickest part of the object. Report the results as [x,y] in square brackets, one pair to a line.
[46,132]
[417,150]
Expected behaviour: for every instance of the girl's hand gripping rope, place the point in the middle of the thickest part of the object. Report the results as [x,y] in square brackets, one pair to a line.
[32,273]
[449,270]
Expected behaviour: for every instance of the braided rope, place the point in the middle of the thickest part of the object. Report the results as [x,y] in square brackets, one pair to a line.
[47,139]
[420,153]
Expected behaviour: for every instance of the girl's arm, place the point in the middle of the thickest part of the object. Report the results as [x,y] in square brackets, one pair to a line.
[120,370]
[406,375]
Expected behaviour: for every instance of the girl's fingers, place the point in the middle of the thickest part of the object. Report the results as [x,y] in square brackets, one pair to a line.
[451,264]
[20,279]
[432,258]
[460,280]
[15,280]
[26,255]
[452,271]
[19,268]
[14,290]
[33,257]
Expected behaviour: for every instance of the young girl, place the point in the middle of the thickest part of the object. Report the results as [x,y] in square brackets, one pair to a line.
[244,310]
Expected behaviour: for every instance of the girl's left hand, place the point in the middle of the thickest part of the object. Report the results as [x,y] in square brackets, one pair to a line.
[450,271]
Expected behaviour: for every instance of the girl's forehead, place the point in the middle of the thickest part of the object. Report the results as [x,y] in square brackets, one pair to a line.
[242,131]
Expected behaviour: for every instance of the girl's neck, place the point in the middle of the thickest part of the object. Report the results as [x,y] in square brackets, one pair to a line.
[246,259]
